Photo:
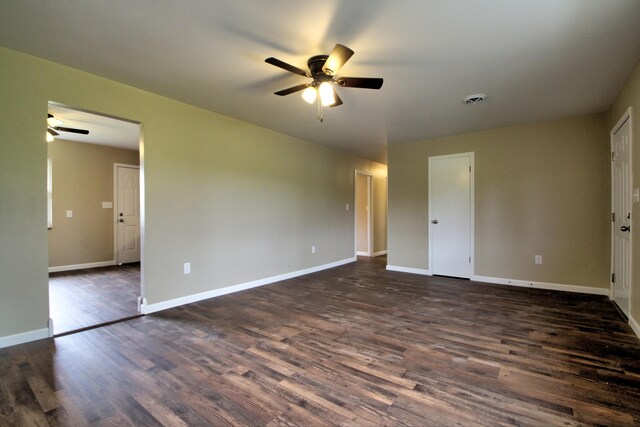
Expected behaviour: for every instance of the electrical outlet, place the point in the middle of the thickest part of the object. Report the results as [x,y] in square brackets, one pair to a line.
[347,206]
[538,259]
[187,268]
[313,249]
[69,214]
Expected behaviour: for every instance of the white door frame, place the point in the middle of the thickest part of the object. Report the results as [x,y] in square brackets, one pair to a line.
[115,210]
[626,116]
[472,203]
[369,213]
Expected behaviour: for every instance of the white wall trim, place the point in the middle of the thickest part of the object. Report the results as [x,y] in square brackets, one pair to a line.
[635,326]
[81,266]
[164,305]
[379,253]
[542,285]
[24,337]
[359,253]
[408,270]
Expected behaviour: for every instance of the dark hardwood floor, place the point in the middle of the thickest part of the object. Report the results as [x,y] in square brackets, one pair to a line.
[355,345]
[82,298]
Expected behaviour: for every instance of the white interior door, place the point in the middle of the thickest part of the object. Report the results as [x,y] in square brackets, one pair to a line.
[621,193]
[127,214]
[451,215]
[363,214]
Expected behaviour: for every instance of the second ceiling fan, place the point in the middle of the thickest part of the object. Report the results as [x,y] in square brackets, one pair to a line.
[53,128]
[323,69]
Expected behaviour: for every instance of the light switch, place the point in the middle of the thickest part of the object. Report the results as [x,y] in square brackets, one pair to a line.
[107,205]
[69,214]
[636,195]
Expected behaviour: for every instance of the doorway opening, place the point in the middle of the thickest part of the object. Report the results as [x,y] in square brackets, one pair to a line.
[90,283]
[622,197]
[363,214]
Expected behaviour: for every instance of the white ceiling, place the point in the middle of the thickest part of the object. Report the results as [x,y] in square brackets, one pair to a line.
[102,130]
[535,59]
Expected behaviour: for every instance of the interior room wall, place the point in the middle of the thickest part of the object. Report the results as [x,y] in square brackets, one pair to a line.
[540,189]
[83,179]
[630,97]
[238,201]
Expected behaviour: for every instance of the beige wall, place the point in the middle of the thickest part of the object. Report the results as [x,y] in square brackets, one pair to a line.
[630,97]
[539,189]
[238,201]
[82,180]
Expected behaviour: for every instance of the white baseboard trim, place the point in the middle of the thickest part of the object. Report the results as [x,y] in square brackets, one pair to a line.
[408,270]
[635,326]
[81,266]
[380,253]
[542,285]
[164,305]
[359,253]
[24,337]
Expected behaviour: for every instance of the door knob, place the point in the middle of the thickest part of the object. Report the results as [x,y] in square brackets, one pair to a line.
[121,220]
[435,221]
[625,228]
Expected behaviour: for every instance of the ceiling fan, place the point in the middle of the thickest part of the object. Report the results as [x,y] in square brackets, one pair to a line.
[323,69]
[53,127]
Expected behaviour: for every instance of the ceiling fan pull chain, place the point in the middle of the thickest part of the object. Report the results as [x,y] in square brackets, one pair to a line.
[320,111]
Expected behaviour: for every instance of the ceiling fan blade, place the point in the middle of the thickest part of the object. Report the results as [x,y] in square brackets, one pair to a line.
[361,82]
[52,132]
[338,57]
[292,90]
[72,130]
[337,98]
[285,66]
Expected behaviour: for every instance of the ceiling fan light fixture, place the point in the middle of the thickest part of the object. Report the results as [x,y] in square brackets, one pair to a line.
[327,96]
[310,94]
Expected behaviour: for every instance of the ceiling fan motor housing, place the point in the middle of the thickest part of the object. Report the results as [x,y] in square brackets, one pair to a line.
[316,63]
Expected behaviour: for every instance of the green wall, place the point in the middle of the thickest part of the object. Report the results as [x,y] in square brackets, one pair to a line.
[238,201]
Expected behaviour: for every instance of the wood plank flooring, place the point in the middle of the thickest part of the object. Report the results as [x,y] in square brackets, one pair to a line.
[82,298]
[355,345]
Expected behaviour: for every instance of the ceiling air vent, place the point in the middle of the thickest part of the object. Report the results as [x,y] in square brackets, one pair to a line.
[474,99]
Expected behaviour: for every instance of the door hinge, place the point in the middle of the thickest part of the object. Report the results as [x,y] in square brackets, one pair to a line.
[613,217]
[469,169]
[613,277]
[469,259]
[613,156]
